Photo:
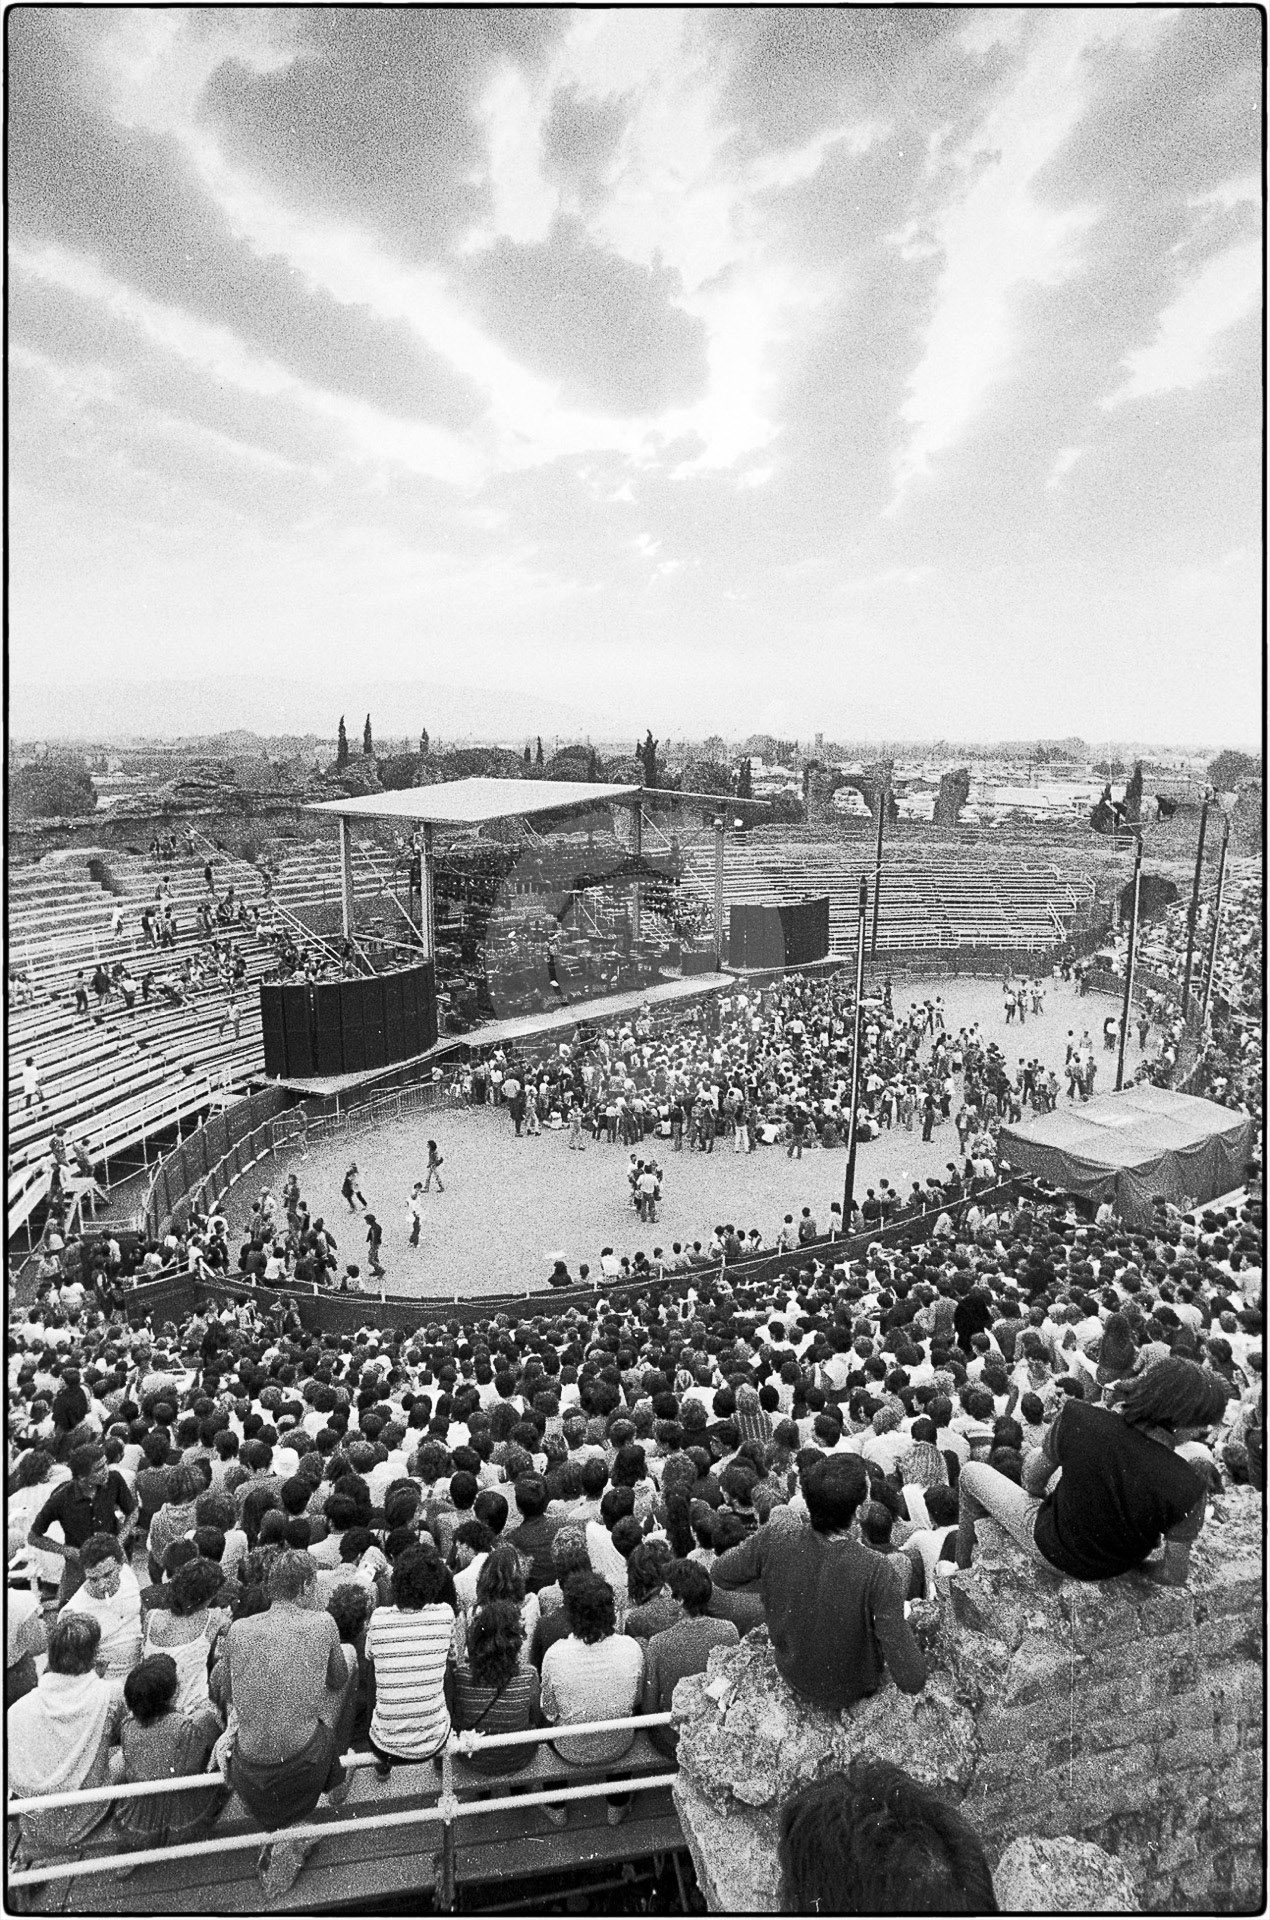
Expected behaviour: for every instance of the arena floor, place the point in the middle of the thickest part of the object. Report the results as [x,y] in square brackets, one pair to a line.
[510,1206]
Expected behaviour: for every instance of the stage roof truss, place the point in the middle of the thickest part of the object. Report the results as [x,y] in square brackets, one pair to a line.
[481,799]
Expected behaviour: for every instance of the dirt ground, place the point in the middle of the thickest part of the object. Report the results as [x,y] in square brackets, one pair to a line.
[511,1206]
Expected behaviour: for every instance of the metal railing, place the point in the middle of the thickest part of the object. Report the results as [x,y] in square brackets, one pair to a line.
[447,1808]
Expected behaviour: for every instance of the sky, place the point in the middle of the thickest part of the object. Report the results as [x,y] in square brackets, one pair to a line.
[874,372]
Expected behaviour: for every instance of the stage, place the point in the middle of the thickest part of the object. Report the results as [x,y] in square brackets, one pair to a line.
[522,1027]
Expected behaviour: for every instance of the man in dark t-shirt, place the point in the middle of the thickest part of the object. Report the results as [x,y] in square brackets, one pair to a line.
[95,1499]
[1123,1487]
[834,1610]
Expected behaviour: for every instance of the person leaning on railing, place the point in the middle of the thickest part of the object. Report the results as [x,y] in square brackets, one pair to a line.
[59,1738]
[161,1740]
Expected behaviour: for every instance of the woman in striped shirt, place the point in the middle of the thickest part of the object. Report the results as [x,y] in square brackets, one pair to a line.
[410,1644]
[493,1691]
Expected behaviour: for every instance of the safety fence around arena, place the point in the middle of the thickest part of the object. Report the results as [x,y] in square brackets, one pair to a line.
[174,1297]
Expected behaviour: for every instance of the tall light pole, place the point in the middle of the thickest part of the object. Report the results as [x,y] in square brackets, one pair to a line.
[1191,917]
[1217,904]
[1128,965]
[883,791]
[848,1189]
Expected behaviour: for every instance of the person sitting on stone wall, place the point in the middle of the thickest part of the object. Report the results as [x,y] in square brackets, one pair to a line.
[1123,1486]
[834,1609]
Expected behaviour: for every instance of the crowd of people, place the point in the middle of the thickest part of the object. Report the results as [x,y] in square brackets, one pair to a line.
[764,1066]
[243,1547]
[248,1541]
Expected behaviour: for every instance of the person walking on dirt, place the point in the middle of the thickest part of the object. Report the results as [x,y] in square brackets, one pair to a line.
[351,1189]
[374,1240]
[415,1210]
[436,1161]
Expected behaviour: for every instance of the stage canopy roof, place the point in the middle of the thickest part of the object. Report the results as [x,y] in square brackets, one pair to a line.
[470,803]
[1127,1147]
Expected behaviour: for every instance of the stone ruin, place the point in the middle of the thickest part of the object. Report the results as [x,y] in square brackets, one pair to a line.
[1063,1717]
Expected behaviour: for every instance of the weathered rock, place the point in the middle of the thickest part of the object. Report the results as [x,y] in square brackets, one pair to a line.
[1063,1876]
[735,1858]
[1120,1713]
[746,1737]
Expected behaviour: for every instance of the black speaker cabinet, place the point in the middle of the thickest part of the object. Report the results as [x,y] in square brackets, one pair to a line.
[348,1026]
[298,1028]
[271,1030]
[329,1042]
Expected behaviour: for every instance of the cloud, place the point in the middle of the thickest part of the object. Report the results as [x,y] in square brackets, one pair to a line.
[1225,290]
[1064,460]
[403,325]
[1229,195]
[993,237]
[612,333]
[367,433]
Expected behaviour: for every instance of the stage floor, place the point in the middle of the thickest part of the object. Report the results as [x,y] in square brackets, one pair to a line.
[511,1205]
[498,1032]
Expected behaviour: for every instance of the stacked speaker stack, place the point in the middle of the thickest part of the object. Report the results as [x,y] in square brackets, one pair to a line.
[330,1027]
[791,934]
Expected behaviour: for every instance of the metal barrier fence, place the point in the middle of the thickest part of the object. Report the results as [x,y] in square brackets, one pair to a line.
[209,1147]
[446,1808]
[325,1312]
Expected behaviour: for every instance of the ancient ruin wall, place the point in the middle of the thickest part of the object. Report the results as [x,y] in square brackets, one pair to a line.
[1123,1713]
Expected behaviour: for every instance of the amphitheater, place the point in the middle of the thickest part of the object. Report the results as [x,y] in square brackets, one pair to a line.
[122,1086]
[1151,1801]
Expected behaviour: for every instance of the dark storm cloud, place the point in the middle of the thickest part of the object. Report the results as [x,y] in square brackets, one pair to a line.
[375,123]
[580,140]
[127,198]
[604,326]
[794,69]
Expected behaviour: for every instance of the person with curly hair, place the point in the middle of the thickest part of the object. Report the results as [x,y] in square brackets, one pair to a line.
[594,1674]
[161,1739]
[494,1690]
[873,1840]
[1123,1487]
[502,1577]
[410,1644]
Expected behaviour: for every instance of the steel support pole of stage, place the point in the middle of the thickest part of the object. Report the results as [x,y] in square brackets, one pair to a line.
[877,870]
[1129,960]
[848,1185]
[427,909]
[720,830]
[1192,915]
[346,877]
[1214,931]
[637,853]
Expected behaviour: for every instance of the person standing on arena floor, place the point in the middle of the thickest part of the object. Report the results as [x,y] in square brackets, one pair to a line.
[352,1190]
[436,1160]
[576,1142]
[374,1240]
[415,1211]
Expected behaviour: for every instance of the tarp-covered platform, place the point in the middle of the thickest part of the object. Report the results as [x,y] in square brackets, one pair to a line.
[1127,1147]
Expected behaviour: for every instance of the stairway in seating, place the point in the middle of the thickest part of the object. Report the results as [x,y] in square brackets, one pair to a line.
[924,884]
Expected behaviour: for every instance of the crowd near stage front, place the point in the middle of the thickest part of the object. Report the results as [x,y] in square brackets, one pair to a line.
[511,1205]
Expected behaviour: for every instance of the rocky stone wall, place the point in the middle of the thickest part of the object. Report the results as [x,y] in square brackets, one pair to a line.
[1123,1714]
